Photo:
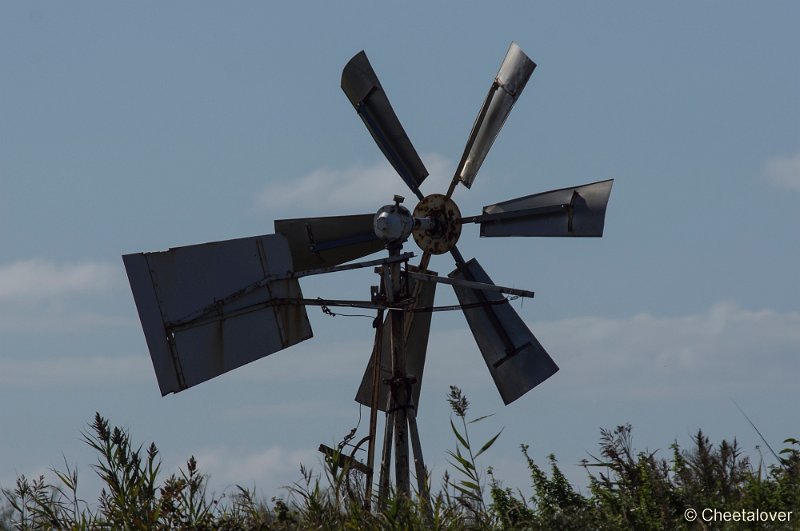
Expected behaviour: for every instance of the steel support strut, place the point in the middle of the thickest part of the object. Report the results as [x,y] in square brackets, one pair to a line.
[373,413]
[401,414]
[399,385]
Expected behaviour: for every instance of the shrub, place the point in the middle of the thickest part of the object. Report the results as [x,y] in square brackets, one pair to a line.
[628,489]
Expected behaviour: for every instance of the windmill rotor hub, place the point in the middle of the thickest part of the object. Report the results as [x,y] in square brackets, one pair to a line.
[393,223]
[437,224]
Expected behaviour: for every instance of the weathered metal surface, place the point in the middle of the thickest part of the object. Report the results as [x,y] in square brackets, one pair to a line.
[211,312]
[373,405]
[344,460]
[578,211]
[470,284]
[328,241]
[386,461]
[403,257]
[168,286]
[168,370]
[515,359]
[504,92]
[440,230]
[393,223]
[416,345]
[419,464]
[361,85]
[210,315]
[399,383]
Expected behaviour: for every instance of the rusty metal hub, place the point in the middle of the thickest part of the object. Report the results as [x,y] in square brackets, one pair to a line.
[437,228]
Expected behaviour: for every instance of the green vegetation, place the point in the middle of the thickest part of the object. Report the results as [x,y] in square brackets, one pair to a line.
[628,489]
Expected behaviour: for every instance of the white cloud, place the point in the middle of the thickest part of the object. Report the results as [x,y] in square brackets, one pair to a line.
[74,372]
[36,280]
[57,320]
[725,349]
[41,295]
[784,172]
[286,409]
[340,191]
[317,359]
[269,469]
[666,374]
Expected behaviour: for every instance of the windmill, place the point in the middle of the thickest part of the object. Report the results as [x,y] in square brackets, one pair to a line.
[209,308]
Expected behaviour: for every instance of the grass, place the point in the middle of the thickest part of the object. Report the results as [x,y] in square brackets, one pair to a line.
[628,489]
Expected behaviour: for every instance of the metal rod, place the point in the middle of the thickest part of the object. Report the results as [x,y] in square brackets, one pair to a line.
[214,308]
[373,410]
[419,462]
[372,124]
[424,261]
[452,187]
[502,333]
[217,312]
[399,388]
[388,432]
[416,444]
[470,284]
[458,257]
[511,214]
[343,460]
[346,267]
[453,307]
[386,458]
[471,140]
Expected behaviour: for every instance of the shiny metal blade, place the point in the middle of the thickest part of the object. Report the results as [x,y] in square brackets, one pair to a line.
[577,211]
[328,241]
[506,89]
[515,359]
[244,326]
[416,347]
[365,92]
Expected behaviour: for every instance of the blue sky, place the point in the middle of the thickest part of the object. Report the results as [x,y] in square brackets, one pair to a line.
[140,126]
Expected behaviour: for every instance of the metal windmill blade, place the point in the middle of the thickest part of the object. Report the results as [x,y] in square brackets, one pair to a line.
[511,79]
[198,316]
[578,211]
[361,85]
[329,241]
[514,357]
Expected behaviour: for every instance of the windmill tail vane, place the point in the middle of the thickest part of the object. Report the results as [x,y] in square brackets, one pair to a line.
[210,308]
